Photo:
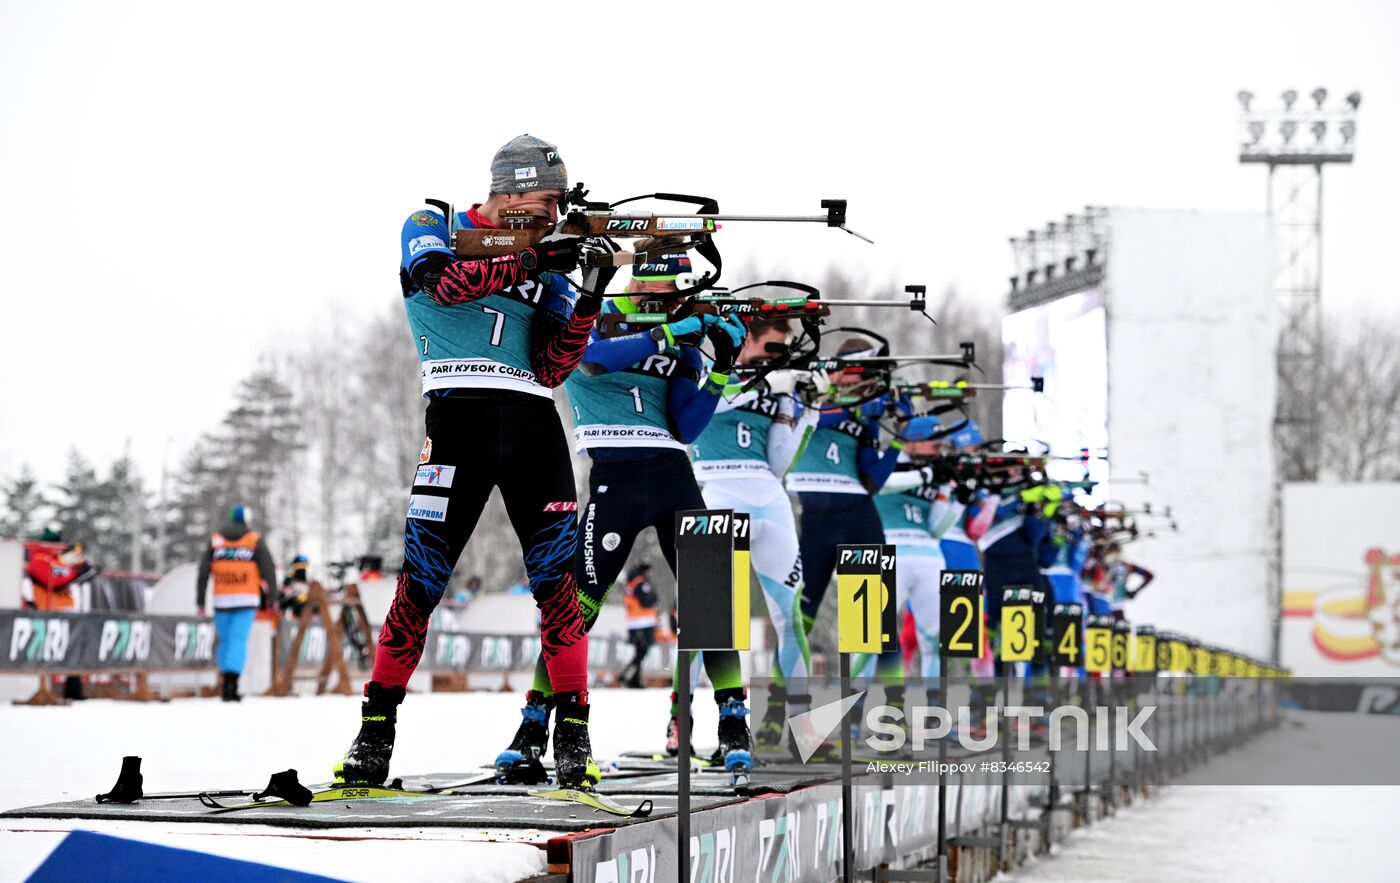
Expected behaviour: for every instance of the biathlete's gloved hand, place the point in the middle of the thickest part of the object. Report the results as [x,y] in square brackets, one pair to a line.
[876,407]
[727,336]
[687,332]
[555,253]
[598,273]
[783,382]
[816,388]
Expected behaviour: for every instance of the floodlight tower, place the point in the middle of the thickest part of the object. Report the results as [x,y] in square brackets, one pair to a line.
[1295,143]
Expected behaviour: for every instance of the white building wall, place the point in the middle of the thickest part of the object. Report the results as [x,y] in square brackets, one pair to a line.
[1191,383]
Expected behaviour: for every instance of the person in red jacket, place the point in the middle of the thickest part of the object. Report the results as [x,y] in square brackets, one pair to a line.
[52,567]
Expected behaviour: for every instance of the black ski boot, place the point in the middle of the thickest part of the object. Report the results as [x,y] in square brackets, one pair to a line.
[735,749]
[573,753]
[673,731]
[770,729]
[521,762]
[230,688]
[367,761]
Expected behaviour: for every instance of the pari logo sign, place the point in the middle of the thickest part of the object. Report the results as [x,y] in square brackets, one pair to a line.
[124,640]
[194,641]
[637,866]
[39,640]
[701,525]
[452,651]
[779,855]
[869,557]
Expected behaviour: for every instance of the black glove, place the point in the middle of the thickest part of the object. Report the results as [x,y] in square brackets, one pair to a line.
[598,273]
[727,337]
[964,491]
[555,253]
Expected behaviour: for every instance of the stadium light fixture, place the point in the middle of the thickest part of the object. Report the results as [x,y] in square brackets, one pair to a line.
[1245,96]
[1319,95]
[1289,96]
[1354,99]
[1256,132]
[1287,128]
[1319,129]
[1348,130]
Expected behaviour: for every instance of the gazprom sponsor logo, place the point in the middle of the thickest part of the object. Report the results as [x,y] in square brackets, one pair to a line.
[425,508]
[433,475]
[419,243]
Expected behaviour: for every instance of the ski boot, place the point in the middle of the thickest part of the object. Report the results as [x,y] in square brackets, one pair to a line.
[769,731]
[521,762]
[735,749]
[367,761]
[230,687]
[573,753]
[673,731]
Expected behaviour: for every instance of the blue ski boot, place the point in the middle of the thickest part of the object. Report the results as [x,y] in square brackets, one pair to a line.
[521,762]
[735,749]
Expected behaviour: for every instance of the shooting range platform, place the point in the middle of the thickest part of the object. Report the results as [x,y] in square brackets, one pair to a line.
[786,810]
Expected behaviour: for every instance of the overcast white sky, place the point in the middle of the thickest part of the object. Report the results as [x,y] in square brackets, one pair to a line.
[184,185]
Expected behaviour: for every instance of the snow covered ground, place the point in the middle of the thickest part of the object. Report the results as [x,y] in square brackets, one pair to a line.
[1195,832]
[53,754]
[1199,831]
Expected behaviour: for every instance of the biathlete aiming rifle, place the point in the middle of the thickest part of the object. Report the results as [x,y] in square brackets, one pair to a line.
[668,232]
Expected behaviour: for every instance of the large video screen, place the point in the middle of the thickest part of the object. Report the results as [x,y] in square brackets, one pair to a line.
[1064,341]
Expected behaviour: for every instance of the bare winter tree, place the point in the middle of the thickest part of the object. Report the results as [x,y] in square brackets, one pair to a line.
[1361,407]
[325,384]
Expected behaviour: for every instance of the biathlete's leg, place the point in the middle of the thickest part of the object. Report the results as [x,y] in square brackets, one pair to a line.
[607,528]
[817,544]
[537,487]
[922,593]
[449,491]
[443,511]
[778,563]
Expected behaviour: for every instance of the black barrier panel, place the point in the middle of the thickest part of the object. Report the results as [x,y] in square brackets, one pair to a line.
[962,626]
[44,641]
[1067,635]
[705,579]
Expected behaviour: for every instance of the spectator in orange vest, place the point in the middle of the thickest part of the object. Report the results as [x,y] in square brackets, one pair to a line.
[640,599]
[244,578]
